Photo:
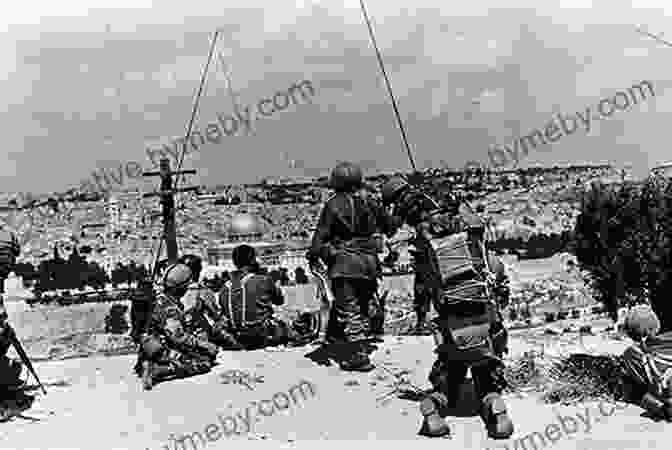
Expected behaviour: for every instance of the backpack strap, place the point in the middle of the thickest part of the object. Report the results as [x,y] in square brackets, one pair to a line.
[230,287]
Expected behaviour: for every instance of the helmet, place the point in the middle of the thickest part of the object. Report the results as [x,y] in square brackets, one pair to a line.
[346,176]
[393,188]
[640,322]
[194,262]
[177,276]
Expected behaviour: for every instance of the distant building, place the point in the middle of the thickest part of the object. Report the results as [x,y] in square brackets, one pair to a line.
[246,229]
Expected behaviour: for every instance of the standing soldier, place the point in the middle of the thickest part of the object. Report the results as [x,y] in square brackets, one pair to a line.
[167,350]
[10,369]
[345,242]
[414,207]
[469,287]
[202,313]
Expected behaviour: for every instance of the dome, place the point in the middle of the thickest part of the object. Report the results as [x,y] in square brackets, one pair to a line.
[245,226]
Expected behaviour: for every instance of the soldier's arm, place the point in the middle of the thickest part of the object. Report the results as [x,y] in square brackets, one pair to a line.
[318,248]
[210,304]
[177,336]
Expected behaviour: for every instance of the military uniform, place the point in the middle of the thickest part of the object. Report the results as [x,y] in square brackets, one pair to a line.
[431,218]
[648,363]
[246,301]
[10,369]
[203,316]
[345,240]
[469,330]
[167,349]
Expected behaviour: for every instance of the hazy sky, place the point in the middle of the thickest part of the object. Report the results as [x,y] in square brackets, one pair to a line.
[86,87]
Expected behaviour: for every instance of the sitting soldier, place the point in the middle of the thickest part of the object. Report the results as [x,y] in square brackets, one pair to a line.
[202,313]
[166,349]
[247,301]
[648,363]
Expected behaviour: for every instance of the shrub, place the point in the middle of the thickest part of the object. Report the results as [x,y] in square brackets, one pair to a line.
[623,238]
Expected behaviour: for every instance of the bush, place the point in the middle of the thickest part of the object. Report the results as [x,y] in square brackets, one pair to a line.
[623,238]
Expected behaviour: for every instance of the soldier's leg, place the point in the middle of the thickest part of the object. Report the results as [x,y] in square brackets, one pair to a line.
[222,336]
[421,300]
[446,378]
[348,316]
[489,382]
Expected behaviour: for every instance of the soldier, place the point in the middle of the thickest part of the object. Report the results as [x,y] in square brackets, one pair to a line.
[202,313]
[648,363]
[167,350]
[344,240]
[247,301]
[10,369]
[469,330]
[414,207]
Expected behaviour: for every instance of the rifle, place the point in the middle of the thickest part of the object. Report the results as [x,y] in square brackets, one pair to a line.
[24,357]
[325,295]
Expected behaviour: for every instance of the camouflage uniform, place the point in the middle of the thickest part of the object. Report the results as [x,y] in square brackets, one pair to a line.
[648,363]
[434,219]
[431,218]
[167,349]
[10,369]
[203,317]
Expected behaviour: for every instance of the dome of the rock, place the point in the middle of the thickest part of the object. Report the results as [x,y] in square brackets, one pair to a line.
[244,227]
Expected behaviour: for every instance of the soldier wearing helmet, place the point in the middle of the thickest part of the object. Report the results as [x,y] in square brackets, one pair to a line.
[468,330]
[648,363]
[345,241]
[202,314]
[428,216]
[167,349]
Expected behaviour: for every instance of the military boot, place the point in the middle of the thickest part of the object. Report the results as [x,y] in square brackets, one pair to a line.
[494,415]
[358,362]
[657,408]
[433,425]
[352,357]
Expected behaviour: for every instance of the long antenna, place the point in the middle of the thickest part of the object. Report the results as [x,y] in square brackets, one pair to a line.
[389,87]
[188,135]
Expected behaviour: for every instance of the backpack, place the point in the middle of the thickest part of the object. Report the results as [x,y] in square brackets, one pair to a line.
[237,295]
[464,268]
